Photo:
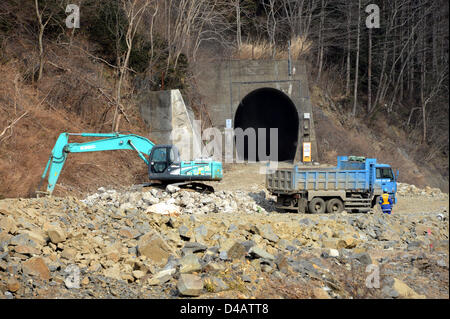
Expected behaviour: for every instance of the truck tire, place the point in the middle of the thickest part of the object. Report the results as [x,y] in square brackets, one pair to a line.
[317,206]
[335,206]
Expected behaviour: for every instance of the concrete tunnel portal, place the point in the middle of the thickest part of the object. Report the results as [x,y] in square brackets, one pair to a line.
[269,108]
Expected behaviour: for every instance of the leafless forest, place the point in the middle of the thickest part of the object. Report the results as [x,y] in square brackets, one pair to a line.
[396,72]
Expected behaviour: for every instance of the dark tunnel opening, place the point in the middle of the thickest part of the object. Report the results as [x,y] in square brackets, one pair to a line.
[269,108]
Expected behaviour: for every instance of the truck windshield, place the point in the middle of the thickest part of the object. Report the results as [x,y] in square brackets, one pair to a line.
[384,172]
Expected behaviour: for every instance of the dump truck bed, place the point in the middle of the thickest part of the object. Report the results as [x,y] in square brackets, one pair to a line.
[293,180]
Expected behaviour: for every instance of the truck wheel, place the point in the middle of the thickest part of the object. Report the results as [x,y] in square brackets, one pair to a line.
[317,206]
[335,206]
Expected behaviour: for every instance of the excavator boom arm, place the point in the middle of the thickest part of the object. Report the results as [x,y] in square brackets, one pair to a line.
[110,142]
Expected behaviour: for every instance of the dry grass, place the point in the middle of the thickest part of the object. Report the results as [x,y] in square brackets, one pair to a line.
[339,133]
[285,289]
[355,138]
[67,99]
[352,283]
[263,50]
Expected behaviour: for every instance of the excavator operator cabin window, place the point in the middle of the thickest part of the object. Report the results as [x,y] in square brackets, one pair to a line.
[173,155]
[159,155]
[159,160]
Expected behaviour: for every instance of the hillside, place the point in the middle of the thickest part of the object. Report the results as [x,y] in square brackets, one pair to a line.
[377,92]
[81,74]
[42,113]
[340,134]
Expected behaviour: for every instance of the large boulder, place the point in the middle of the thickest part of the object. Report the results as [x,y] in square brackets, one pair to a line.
[190,285]
[7,224]
[404,291]
[266,232]
[113,272]
[237,251]
[154,247]
[23,240]
[36,267]
[189,264]
[258,252]
[164,209]
[56,234]
[161,277]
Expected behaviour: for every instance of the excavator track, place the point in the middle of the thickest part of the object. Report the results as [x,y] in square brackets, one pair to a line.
[195,186]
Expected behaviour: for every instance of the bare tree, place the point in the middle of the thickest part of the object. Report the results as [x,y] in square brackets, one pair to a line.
[369,74]
[134,10]
[10,127]
[271,24]
[349,45]
[237,5]
[42,23]
[190,23]
[355,92]
[151,27]
[321,39]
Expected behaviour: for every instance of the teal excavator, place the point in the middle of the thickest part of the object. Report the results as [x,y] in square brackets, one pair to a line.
[163,161]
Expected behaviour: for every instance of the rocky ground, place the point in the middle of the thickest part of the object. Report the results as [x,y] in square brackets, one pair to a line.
[172,243]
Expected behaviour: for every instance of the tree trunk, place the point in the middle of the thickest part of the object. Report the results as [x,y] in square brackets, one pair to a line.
[349,43]
[369,75]
[435,42]
[134,19]
[41,53]
[422,100]
[41,40]
[411,62]
[382,79]
[321,42]
[238,25]
[422,79]
[402,60]
[355,92]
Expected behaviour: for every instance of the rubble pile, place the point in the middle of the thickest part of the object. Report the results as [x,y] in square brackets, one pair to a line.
[408,190]
[173,200]
[154,243]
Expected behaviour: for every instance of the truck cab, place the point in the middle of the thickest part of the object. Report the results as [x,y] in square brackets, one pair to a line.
[380,177]
[385,179]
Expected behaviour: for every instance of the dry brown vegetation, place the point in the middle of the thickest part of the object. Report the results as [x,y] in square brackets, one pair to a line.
[75,96]
[261,50]
[79,84]
[340,133]
[283,290]
[346,283]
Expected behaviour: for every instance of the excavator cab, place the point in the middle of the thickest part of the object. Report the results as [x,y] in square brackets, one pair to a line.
[161,158]
[165,165]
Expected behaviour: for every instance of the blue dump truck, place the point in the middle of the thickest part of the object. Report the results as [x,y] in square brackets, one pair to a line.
[355,185]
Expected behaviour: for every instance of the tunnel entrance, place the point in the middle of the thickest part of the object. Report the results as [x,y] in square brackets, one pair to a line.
[269,108]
